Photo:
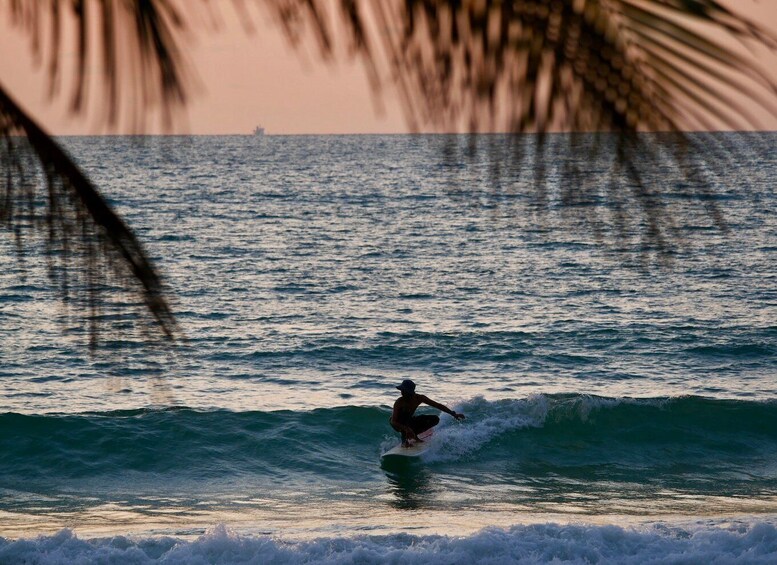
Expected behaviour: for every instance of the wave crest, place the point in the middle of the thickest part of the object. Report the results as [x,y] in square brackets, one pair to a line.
[559,430]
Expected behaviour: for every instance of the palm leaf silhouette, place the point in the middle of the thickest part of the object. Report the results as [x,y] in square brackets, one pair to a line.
[569,65]
[80,224]
[44,190]
[616,67]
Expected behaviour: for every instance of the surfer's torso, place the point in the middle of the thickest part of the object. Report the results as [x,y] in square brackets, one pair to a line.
[405,407]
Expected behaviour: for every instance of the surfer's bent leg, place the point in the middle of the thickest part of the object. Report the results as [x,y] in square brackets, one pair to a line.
[423,423]
[400,430]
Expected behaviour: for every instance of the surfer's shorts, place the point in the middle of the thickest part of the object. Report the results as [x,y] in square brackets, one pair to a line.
[422,423]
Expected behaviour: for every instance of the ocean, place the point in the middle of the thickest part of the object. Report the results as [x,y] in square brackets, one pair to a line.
[616,363]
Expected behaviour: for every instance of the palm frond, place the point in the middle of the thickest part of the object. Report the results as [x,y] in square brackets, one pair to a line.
[128,62]
[537,66]
[44,191]
[619,66]
[128,55]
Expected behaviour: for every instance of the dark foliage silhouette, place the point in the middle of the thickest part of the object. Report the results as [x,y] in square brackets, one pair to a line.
[612,68]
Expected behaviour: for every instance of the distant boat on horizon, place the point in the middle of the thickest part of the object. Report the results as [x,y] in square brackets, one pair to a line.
[258,130]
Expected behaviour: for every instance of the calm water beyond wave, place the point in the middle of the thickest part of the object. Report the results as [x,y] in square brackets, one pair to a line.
[620,402]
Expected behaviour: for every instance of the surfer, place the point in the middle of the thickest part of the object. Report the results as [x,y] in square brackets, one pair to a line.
[403,420]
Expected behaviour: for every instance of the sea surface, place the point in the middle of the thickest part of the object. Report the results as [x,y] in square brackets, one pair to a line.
[616,363]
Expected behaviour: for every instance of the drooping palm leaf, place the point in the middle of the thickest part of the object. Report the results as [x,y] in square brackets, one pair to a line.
[135,46]
[128,57]
[81,228]
[618,66]
[611,66]
[574,65]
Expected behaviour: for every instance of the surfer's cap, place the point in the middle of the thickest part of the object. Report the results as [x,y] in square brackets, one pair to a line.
[407,386]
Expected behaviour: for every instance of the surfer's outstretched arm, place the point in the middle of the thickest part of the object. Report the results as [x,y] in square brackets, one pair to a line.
[433,404]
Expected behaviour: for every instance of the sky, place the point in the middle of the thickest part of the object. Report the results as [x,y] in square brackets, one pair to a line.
[250,79]
[245,79]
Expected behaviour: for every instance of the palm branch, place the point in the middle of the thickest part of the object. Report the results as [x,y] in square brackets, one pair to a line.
[45,192]
[80,225]
[613,67]
[617,67]
[544,65]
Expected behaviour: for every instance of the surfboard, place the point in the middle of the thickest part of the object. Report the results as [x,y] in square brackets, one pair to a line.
[415,449]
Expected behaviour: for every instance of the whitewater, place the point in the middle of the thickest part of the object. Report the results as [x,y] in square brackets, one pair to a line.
[620,398]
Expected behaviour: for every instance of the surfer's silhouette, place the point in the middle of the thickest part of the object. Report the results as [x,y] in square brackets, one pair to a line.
[403,420]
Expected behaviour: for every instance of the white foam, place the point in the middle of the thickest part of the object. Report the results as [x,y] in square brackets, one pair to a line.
[741,542]
[487,421]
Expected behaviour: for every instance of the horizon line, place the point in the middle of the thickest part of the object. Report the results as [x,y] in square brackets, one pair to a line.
[341,134]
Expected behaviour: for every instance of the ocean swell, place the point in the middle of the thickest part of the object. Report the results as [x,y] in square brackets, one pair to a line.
[686,439]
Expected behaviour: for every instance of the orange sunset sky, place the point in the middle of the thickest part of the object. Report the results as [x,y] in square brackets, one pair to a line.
[249,79]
